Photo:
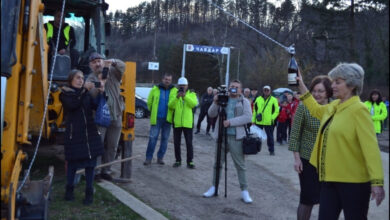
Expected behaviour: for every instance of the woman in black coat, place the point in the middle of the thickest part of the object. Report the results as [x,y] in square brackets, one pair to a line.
[82,141]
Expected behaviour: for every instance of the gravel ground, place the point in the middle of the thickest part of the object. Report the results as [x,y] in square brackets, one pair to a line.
[273,184]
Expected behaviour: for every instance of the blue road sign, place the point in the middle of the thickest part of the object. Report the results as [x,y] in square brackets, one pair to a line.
[206,49]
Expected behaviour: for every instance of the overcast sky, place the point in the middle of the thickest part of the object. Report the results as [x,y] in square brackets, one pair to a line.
[125,4]
[122,5]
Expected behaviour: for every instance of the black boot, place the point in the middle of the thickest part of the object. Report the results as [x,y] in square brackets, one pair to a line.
[69,196]
[88,197]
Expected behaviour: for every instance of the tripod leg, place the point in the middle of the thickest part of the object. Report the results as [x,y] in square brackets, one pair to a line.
[219,149]
[226,146]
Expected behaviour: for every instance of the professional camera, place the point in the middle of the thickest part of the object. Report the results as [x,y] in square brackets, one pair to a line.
[181,89]
[223,96]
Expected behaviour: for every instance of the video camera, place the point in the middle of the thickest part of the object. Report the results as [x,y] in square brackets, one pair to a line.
[223,96]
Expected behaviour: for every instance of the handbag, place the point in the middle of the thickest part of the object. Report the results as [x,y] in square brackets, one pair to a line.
[102,115]
[250,145]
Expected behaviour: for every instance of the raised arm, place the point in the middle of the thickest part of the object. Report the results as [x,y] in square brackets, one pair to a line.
[190,99]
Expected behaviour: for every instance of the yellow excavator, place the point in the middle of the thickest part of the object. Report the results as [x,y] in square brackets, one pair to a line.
[26,96]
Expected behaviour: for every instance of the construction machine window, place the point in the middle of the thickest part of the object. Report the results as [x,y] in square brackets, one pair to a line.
[72,51]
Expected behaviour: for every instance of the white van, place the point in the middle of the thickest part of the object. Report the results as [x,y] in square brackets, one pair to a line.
[143,92]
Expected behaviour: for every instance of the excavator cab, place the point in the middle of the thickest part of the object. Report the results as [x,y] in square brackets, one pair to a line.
[87,19]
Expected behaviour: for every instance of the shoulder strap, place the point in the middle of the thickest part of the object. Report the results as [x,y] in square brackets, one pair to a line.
[246,130]
[266,104]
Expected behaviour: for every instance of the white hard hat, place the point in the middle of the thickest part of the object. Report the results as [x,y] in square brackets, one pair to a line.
[182,81]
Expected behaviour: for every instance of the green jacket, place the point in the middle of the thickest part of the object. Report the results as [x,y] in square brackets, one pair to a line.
[378,115]
[154,99]
[270,112]
[183,115]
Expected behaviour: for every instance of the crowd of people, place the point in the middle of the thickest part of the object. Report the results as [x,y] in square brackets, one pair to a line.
[322,126]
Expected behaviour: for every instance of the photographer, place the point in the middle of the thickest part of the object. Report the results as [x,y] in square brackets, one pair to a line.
[182,102]
[112,71]
[238,114]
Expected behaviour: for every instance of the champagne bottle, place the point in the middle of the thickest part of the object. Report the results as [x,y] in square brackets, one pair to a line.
[292,71]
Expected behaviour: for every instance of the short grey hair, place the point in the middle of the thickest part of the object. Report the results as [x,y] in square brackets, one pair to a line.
[352,73]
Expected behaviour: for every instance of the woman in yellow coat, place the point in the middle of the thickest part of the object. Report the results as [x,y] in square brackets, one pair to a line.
[346,153]
[377,109]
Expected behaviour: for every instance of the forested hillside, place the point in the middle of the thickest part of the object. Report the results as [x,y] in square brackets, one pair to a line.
[324,33]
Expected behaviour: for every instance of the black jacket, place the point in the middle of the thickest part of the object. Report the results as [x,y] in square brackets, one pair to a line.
[82,140]
[206,102]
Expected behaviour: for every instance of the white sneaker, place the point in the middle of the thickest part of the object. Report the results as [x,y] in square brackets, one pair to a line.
[245,196]
[209,192]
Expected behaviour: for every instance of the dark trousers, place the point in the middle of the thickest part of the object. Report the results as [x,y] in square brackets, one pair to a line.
[177,142]
[212,122]
[352,198]
[281,132]
[202,115]
[269,130]
[71,172]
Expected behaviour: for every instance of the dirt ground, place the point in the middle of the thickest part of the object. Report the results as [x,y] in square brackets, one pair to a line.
[273,185]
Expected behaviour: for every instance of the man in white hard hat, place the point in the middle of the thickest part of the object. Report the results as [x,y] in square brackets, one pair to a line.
[183,102]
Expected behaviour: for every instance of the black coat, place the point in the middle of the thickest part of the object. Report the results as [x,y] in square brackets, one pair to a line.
[82,140]
[206,102]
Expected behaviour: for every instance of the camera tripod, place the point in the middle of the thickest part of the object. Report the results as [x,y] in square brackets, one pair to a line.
[221,134]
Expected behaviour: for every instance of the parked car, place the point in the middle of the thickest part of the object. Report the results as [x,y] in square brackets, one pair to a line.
[141,108]
[143,92]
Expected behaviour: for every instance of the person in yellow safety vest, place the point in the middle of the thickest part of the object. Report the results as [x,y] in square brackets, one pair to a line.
[67,37]
[265,112]
[160,118]
[377,109]
[182,102]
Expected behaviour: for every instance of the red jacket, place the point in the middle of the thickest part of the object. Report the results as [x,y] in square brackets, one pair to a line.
[284,113]
[293,107]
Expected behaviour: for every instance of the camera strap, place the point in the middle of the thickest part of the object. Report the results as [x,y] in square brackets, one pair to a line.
[266,103]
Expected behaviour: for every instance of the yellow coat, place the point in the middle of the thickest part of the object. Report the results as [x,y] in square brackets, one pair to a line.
[182,107]
[346,149]
[379,114]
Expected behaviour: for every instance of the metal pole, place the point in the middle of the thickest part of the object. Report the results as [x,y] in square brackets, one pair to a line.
[184,61]
[152,76]
[238,65]
[227,69]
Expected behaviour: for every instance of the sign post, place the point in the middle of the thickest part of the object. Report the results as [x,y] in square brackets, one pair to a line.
[206,49]
[153,66]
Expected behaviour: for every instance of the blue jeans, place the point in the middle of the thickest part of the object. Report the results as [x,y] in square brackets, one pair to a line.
[153,136]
